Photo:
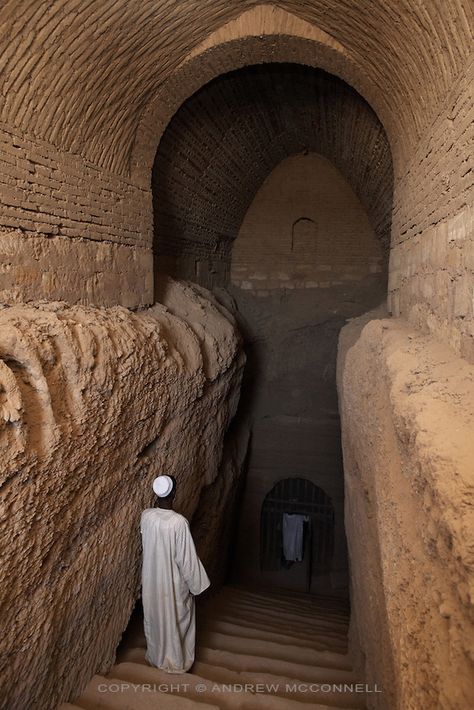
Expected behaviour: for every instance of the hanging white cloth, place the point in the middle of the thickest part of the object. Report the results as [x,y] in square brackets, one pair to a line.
[293,536]
[172,574]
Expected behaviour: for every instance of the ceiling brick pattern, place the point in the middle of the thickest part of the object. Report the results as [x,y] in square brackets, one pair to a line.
[228,137]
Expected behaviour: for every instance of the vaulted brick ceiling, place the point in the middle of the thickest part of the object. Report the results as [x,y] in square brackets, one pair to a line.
[226,139]
[80,73]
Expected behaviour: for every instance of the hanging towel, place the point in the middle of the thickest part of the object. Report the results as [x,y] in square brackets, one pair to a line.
[293,536]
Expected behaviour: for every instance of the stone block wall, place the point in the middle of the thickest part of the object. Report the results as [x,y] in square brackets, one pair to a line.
[69,229]
[94,404]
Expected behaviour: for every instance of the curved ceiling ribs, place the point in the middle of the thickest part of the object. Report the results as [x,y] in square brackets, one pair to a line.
[80,74]
[227,138]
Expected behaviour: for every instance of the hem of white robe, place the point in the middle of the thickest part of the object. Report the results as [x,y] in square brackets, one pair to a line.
[167,670]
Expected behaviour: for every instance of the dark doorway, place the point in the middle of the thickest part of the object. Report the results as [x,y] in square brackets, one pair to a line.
[297,495]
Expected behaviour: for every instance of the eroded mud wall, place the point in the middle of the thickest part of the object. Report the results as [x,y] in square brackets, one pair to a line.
[407,420]
[405,392]
[95,403]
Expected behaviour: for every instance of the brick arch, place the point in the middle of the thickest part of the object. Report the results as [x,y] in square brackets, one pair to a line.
[214,61]
[80,75]
[228,137]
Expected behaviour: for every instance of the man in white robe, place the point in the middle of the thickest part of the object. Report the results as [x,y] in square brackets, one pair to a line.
[172,574]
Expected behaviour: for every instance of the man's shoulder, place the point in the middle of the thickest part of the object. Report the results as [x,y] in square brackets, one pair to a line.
[147,512]
[170,517]
[178,520]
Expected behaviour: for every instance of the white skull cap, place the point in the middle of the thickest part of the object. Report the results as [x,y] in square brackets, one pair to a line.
[163,485]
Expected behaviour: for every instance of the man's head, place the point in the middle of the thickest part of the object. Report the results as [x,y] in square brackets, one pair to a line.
[165,489]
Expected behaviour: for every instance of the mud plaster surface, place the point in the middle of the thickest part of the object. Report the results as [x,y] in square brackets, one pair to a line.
[95,403]
[407,421]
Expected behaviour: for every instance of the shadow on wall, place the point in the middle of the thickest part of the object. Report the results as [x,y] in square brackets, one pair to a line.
[293,297]
[290,400]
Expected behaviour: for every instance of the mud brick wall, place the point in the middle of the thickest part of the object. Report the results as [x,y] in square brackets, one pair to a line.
[70,229]
[432,259]
[304,229]
[225,141]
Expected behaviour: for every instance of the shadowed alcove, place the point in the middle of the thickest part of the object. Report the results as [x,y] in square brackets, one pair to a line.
[272,186]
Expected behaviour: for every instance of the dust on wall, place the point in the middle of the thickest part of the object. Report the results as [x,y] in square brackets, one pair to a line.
[95,403]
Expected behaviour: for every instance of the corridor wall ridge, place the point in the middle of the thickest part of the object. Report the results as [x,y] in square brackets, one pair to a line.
[407,417]
[93,405]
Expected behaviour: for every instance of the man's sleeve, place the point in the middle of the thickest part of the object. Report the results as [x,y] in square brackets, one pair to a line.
[189,564]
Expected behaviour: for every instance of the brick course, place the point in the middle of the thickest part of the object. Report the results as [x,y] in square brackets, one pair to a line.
[224,142]
[432,259]
[70,229]
[304,229]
